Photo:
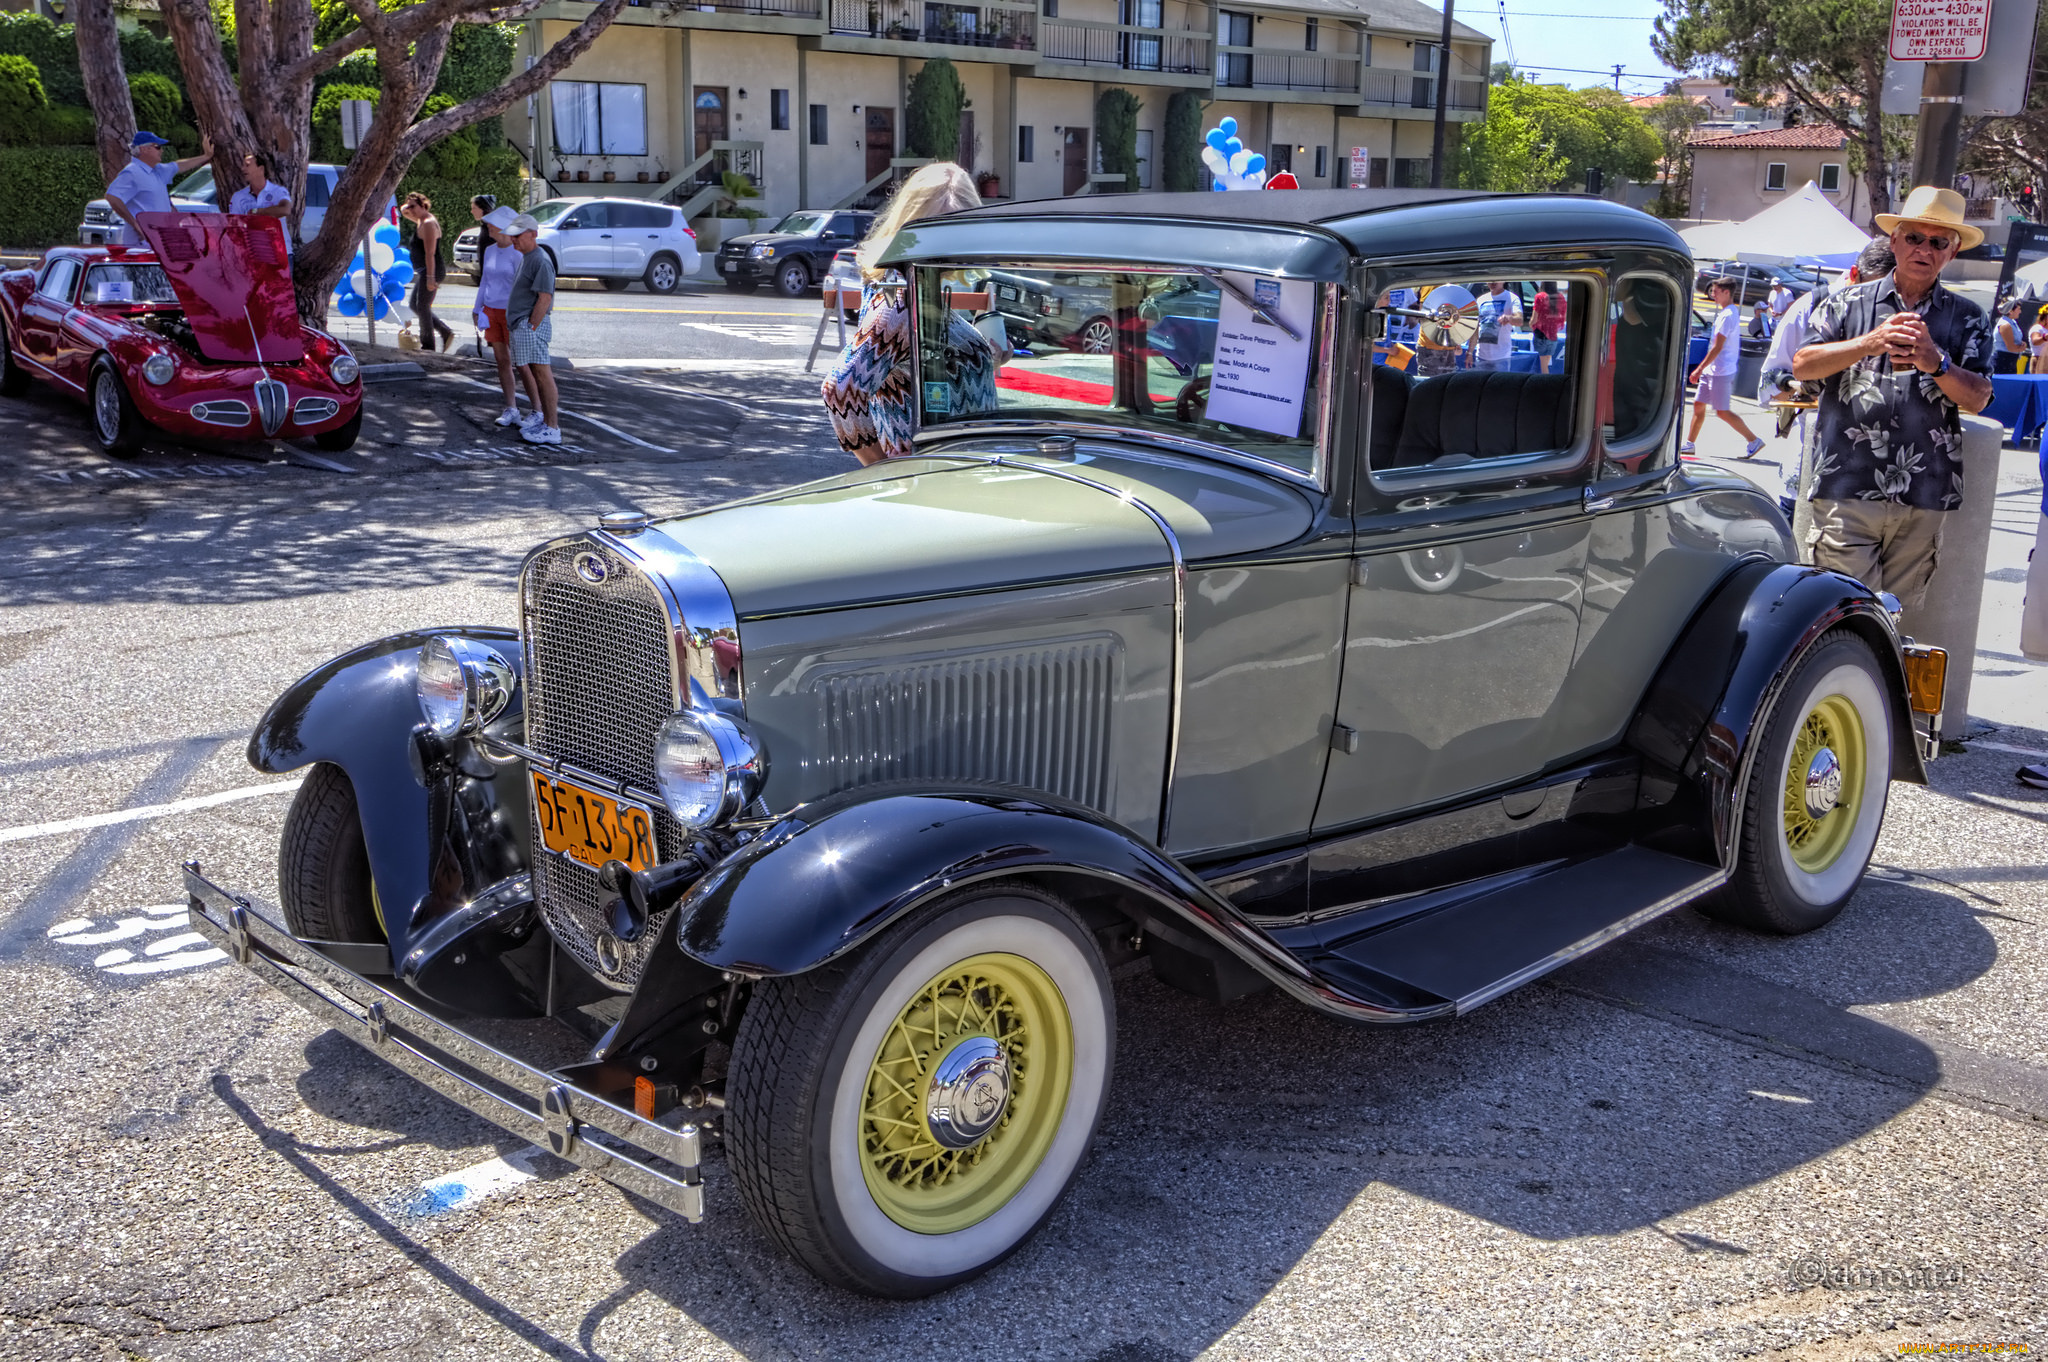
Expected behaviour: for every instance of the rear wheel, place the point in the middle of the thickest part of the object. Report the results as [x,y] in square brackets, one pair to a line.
[323,869]
[1816,795]
[664,272]
[1097,337]
[902,1120]
[116,425]
[13,378]
[342,436]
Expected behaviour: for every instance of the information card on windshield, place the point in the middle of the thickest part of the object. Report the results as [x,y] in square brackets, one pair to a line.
[1260,376]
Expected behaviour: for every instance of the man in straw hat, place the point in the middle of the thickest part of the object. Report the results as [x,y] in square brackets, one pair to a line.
[1903,358]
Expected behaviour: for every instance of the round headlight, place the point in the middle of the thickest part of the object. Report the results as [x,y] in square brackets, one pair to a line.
[761,252]
[461,685]
[159,368]
[707,767]
[344,369]
[442,689]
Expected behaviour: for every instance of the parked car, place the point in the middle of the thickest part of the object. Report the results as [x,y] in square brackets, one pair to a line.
[844,275]
[615,240]
[1755,281]
[794,255]
[180,338]
[197,193]
[1279,674]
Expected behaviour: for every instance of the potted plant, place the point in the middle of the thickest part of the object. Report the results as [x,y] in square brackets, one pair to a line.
[609,174]
[738,188]
[583,173]
[988,184]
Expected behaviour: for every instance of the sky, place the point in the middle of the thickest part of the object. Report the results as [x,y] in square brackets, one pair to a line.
[1574,42]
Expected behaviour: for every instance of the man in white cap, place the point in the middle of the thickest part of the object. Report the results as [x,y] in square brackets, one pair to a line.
[144,184]
[526,309]
[1903,358]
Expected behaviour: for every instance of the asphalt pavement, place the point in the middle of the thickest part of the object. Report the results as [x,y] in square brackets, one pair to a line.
[1696,1143]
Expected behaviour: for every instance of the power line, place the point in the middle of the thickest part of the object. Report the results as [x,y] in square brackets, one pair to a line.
[1506,41]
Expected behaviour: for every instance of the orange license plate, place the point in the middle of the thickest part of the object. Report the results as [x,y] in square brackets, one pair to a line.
[591,828]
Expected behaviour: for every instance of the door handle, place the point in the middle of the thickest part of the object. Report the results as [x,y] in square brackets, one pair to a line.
[604,236]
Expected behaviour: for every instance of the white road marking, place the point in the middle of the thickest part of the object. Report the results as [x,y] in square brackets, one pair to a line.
[764,334]
[614,430]
[101,820]
[465,1187]
[180,950]
[1975,743]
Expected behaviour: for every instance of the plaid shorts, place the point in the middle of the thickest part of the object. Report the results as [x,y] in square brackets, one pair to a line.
[530,344]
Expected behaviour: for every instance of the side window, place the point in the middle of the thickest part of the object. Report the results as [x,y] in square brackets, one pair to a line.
[588,216]
[57,280]
[1645,316]
[846,225]
[643,215]
[316,189]
[1468,374]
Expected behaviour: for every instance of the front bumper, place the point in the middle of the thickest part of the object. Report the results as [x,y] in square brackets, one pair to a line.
[742,267]
[659,1162]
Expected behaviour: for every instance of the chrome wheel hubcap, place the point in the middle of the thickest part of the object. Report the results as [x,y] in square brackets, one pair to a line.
[106,407]
[1097,340]
[969,1091]
[664,276]
[1823,783]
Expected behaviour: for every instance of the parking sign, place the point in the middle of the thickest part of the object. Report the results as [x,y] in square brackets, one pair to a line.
[1939,30]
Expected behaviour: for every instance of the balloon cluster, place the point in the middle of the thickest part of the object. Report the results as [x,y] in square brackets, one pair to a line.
[390,272]
[1232,165]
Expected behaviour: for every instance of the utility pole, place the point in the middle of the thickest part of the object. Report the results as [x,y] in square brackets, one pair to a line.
[1939,140]
[1443,93]
[1617,75]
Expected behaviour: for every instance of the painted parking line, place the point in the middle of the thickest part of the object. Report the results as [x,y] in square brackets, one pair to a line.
[165,954]
[2036,753]
[137,814]
[465,1187]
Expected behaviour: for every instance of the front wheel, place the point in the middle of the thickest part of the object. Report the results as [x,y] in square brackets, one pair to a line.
[323,866]
[13,378]
[116,425]
[342,436]
[1816,795]
[902,1120]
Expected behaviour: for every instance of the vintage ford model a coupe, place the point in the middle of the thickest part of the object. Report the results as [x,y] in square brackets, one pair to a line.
[1388,676]
[196,336]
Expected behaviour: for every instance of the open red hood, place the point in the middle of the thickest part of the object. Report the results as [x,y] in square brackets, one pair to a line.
[232,277]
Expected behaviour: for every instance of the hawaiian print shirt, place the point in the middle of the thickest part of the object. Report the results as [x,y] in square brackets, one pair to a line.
[1888,434]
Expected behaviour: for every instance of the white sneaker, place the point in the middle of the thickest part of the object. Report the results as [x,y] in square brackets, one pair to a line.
[510,417]
[532,421]
[1751,451]
[541,435]
[1687,448]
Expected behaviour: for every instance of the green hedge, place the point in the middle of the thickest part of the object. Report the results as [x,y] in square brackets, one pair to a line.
[1183,159]
[47,190]
[1116,138]
[54,50]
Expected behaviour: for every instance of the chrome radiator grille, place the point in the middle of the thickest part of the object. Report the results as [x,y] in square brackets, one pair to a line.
[599,686]
[1038,719]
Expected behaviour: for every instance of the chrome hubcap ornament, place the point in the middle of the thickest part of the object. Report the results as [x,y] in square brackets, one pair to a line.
[1823,783]
[970,1090]
[106,405]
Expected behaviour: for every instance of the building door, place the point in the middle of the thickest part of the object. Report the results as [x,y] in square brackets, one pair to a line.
[881,140]
[1074,158]
[710,105]
[965,159]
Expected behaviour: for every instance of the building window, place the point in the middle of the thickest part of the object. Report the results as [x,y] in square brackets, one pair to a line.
[1365,50]
[599,118]
[1050,8]
[1322,163]
[1774,175]
[1309,38]
[1234,68]
[1144,158]
[1425,56]
[1026,140]
[821,128]
[1831,179]
[778,110]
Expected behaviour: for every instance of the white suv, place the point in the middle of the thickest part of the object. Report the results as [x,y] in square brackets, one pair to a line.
[616,240]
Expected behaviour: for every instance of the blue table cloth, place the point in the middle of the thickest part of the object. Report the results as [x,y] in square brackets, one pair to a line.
[2019,402]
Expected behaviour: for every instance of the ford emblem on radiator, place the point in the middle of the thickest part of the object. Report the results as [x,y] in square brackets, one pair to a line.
[591,568]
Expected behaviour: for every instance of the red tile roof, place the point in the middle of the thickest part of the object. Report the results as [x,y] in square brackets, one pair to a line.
[1805,137]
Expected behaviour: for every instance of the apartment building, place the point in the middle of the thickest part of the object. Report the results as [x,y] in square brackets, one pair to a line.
[806,97]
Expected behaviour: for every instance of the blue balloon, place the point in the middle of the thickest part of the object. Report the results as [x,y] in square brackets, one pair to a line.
[392,290]
[386,232]
[1232,147]
[383,308]
[355,264]
[1228,127]
[349,305]
[1253,166]
[345,289]
[1215,138]
[401,270]
[1218,186]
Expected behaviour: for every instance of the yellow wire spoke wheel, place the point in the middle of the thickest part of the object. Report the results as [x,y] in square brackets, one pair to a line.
[935,1177]
[1821,805]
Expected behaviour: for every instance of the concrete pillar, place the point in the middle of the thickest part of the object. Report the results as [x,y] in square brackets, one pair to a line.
[1949,616]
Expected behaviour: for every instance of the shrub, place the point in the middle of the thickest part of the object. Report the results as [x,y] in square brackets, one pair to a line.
[1182,170]
[931,113]
[58,126]
[1116,137]
[454,157]
[47,190]
[22,100]
[158,101]
[51,49]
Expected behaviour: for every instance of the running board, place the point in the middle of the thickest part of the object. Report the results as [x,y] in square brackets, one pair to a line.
[1474,951]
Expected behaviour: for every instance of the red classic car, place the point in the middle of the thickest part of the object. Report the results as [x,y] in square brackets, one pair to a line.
[196,336]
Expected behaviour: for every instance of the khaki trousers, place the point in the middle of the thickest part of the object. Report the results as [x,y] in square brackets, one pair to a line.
[1885,546]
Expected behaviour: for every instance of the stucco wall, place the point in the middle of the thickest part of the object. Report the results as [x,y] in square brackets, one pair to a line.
[839,81]
[1728,184]
[756,63]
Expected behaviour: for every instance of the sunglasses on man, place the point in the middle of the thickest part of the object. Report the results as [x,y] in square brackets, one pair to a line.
[1936,242]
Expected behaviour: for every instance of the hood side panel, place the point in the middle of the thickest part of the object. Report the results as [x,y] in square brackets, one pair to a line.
[231,277]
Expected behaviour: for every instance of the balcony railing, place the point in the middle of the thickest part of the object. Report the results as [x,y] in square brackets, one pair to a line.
[774,9]
[1128,47]
[926,21]
[1269,70]
[1402,90]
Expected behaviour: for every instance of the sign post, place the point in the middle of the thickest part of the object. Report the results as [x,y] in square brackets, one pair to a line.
[1945,34]
[1361,167]
[355,126]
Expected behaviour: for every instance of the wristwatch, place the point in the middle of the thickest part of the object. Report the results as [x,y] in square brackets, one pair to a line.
[1942,370]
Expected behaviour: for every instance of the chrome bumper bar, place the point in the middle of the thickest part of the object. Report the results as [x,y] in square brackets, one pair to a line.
[659,1162]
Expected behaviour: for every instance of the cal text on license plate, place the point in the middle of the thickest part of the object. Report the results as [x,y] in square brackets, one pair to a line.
[590,827]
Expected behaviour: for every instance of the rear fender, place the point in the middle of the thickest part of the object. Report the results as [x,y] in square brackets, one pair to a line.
[835,873]
[1705,713]
[358,711]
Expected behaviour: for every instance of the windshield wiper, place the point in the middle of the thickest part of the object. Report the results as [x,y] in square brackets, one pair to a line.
[1258,309]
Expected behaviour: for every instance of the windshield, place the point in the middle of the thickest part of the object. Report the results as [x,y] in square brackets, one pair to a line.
[128,284]
[552,209]
[198,185]
[1227,358]
[802,224]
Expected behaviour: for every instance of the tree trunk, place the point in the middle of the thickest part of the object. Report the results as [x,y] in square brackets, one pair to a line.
[106,83]
[216,102]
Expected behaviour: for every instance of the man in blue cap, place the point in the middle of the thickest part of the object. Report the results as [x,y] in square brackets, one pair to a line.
[144,184]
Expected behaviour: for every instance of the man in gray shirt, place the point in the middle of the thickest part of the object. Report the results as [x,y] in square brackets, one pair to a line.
[527,313]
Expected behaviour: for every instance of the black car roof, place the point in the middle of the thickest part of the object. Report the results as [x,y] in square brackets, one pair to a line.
[1300,233]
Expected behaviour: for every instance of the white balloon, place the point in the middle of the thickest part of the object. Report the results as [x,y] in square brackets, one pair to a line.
[381,256]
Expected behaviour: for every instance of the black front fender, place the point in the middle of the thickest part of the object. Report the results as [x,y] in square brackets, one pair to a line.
[358,711]
[835,873]
[1705,713]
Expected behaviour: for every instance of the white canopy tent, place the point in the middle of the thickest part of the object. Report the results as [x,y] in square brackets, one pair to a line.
[1803,229]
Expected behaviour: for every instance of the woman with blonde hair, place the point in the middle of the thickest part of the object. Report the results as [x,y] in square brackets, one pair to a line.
[868,393]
